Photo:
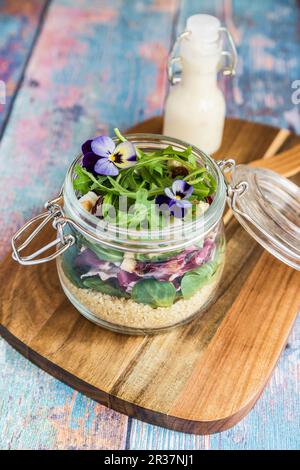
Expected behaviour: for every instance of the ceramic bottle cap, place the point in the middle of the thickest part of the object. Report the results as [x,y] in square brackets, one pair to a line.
[203,28]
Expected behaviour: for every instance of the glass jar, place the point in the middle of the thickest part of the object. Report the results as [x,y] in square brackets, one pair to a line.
[141,282]
[146,282]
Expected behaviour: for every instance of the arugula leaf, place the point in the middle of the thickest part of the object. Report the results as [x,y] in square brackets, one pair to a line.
[142,196]
[201,190]
[82,182]
[145,180]
[195,174]
[119,135]
[212,183]
[156,258]
[119,189]
[105,254]
[192,159]
[159,169]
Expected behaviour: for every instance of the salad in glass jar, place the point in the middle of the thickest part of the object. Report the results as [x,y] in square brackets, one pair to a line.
[149,251]
[139,235]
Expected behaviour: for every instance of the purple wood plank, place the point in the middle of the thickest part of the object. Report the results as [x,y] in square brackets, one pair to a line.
[39,412]
[91,70]
[95,65]
[19,25]
[267,37]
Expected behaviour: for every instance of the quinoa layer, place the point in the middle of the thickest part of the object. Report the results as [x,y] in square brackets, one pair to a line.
[130,314]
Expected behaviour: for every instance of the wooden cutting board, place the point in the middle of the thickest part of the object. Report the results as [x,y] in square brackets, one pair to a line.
[200,378]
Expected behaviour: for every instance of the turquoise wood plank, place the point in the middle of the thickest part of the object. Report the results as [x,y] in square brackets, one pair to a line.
[39,412]
[95,65]
[267,37]
[19,24]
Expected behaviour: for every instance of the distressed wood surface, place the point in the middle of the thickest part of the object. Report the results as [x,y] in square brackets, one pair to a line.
[20,22]
[116,76]
[203,377]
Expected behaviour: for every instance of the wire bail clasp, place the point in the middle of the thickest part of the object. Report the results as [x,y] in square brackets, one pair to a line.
[233,192]
[173,59]
[231,55]
[54,213]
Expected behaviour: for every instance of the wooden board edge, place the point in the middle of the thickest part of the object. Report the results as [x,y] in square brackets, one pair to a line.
[130,409]
[156,123]
[189,407]
[227,422]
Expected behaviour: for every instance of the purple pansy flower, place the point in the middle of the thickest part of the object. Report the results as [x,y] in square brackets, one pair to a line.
[102,157]
[176,198]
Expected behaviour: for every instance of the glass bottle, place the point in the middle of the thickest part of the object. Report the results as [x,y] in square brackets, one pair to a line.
[195,106]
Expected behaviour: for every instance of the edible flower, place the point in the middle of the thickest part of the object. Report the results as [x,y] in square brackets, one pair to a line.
[176,198]
[102,157]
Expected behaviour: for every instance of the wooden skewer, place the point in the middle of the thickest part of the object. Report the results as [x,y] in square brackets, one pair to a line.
[286,163]
[279,140]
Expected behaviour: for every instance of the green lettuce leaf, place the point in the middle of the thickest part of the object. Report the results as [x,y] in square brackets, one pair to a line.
[154,293]
[197,278]
[106,287]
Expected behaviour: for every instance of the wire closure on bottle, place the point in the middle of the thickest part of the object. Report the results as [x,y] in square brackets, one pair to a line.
[232,55]
[176,60]
[173,59]
[55,214]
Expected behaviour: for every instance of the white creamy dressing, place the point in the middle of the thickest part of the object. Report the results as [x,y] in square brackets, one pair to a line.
[195,108]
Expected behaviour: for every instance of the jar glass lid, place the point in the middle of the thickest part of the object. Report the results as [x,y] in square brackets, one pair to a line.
[267,205]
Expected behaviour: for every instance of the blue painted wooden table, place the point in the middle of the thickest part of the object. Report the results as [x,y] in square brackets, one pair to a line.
[74,67]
